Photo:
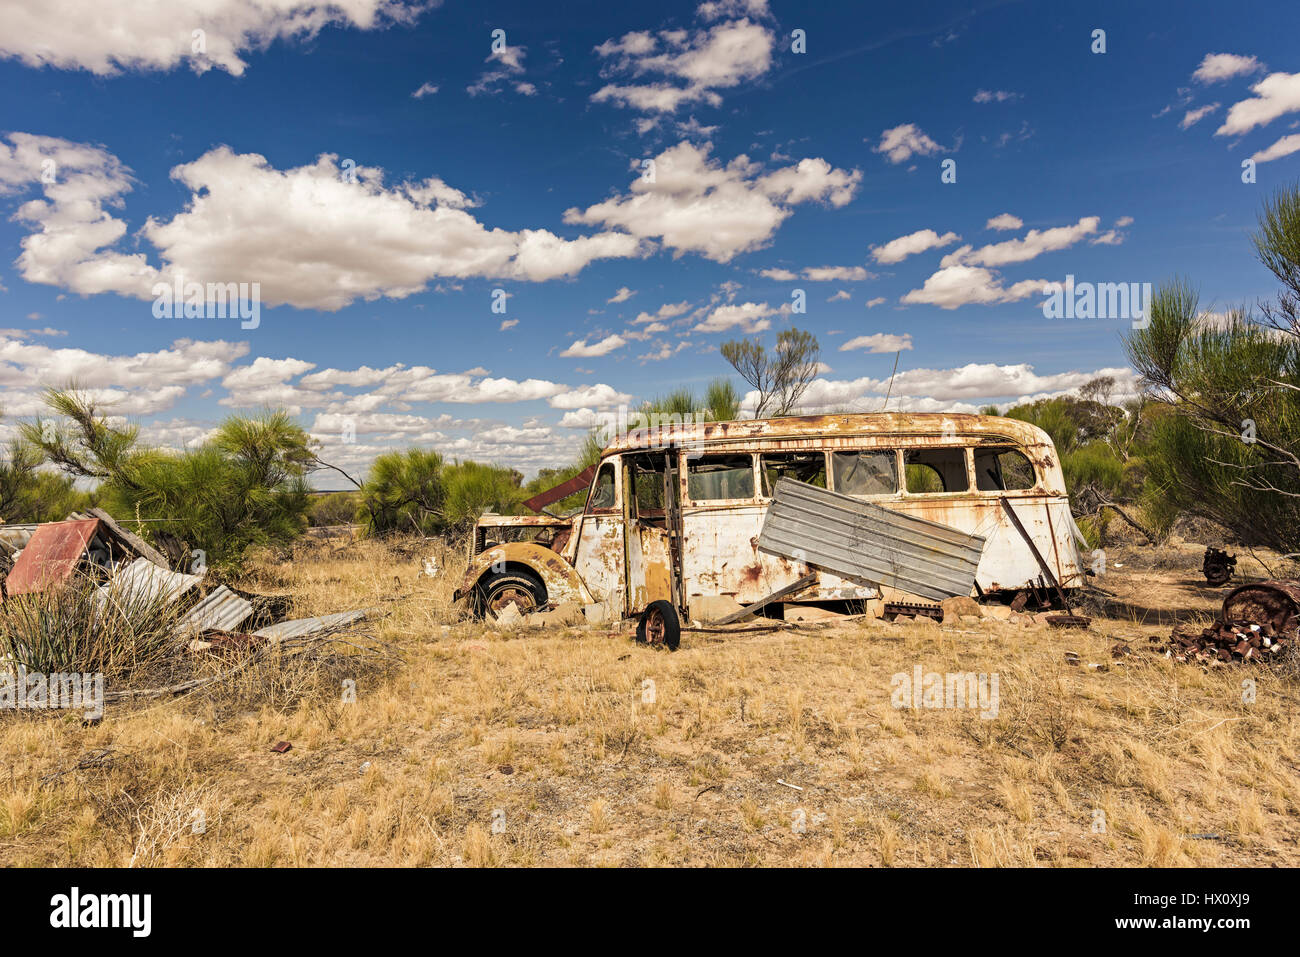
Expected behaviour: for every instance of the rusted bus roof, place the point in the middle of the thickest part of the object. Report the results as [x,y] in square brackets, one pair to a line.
[858,539]
[222,610]
[989,428]
[51,555]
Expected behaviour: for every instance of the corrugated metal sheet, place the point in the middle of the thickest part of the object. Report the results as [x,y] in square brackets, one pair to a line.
[223,610]
[142,577]
[852,537]
[55,549]
[308,626]
[17,536]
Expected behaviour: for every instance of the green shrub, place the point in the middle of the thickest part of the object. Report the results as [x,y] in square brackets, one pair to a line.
[473,488]
[404,492]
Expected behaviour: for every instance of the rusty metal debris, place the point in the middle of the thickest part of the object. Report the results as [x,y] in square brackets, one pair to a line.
[221,610]
[54,552]
[301,627]
[1068,621]
[858,539]
[578,483]
[893,610]
[1217,566]
[1258,622]
[1275,602]
[281,746]
[791,589]
[143,579]
[136,544]
[89,542]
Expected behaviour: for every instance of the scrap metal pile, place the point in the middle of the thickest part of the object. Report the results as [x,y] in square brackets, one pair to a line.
[1259,622]
[47,555]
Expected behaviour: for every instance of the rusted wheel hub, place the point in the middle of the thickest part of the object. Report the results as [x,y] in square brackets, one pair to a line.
[516,595]
[654,628]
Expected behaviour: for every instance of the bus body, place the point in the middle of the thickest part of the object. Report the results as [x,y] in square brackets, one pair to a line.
[674,513]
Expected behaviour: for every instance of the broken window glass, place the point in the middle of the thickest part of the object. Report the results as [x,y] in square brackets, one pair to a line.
[602,490]
[997,469]
[714,477]
[865,473]
[647,478]
[936,470]
[807,467]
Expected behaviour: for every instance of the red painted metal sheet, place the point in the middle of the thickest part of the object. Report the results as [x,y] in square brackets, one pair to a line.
[563,490]
[54,550]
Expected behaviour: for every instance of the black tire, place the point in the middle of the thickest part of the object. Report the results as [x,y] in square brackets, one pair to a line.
[496,589]
[659,625]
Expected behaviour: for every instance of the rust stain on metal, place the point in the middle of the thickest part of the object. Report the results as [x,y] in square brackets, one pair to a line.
[53,553]
[1274,602]
[561,580]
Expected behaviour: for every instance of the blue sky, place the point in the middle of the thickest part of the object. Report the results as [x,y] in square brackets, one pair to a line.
[128,158]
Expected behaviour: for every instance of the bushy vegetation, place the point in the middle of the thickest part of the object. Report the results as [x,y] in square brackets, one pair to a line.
[245,486]
[336,508]
[780,376]
[30,493]
[414,491]
[474,488]
[1229,449]
[404,492]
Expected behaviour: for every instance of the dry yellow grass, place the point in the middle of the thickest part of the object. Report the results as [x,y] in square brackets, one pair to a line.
[487,748]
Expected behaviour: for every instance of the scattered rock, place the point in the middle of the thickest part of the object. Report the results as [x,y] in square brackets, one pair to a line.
[1001,612]
[567,614]
[954,608]
[508,616]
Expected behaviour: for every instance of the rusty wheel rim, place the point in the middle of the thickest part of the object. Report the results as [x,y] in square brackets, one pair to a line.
[654,628]
[515,595]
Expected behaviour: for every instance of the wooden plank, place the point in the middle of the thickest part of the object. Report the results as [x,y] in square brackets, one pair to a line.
[1042,563]
[137,544]
[777,595]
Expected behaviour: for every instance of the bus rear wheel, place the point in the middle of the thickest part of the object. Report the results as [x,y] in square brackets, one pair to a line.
[659,626]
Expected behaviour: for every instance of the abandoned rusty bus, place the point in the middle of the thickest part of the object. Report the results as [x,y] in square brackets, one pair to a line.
[674,516]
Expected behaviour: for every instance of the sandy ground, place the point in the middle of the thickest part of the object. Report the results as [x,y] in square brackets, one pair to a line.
[578,747]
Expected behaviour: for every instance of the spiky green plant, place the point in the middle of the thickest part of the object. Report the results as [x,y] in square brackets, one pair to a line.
[79,626]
